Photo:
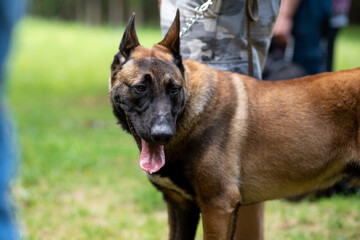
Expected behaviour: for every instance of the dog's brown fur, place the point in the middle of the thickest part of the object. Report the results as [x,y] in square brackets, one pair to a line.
[238,139]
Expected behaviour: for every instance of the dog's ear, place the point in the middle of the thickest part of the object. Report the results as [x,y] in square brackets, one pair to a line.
[128,43]
[172,39]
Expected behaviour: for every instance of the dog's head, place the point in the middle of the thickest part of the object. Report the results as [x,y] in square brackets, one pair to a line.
[147,91]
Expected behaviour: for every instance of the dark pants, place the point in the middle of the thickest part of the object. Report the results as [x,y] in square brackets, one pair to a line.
[311,24]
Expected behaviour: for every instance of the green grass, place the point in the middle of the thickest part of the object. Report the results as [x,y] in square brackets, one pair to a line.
[347,48]
[79,177]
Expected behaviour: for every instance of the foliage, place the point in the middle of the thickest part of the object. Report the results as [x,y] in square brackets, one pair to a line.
[96,11]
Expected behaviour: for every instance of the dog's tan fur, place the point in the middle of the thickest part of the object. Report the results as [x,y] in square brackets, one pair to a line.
[242,140]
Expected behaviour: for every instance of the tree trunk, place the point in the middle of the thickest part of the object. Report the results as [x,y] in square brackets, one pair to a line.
[93,12]
[116,12]
[80,14]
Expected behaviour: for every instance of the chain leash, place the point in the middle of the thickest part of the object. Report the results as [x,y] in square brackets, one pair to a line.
[199,14]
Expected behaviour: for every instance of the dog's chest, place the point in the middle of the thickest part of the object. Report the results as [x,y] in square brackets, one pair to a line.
[167,183]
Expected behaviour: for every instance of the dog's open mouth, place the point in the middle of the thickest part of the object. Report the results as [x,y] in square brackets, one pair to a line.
[152,157]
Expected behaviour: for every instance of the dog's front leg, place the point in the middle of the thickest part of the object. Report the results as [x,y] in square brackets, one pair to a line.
[183,217]
[219,218]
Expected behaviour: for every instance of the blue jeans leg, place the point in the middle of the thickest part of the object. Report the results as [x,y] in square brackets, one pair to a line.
[8,228]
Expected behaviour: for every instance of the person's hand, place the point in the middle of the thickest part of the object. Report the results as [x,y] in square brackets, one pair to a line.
[282,29]
[284,23]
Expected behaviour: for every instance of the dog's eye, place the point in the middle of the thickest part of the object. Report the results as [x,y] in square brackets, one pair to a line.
[174,90]
[140,88]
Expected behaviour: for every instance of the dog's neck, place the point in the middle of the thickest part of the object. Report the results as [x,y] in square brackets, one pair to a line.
[199,91]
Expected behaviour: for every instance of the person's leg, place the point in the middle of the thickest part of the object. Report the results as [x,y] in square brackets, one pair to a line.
[308,26]
[331,36]
[219,40]
[10,10]
[7,162]
[250,222]
[7,156]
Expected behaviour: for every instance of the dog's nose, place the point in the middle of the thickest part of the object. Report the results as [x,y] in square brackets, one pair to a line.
[162,133]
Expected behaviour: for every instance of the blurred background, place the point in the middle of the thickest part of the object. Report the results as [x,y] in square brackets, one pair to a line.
[96,12]
[79,176]
[115,12]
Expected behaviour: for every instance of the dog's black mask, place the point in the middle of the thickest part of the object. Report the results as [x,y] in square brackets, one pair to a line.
[147,90]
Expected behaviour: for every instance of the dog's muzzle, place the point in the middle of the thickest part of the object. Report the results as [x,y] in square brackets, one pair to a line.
[162,132]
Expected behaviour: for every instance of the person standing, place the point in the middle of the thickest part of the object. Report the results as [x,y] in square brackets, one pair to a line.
[10,11]
[219,40]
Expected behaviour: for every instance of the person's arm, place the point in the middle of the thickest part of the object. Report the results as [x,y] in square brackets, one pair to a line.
[159,4]
[284,22]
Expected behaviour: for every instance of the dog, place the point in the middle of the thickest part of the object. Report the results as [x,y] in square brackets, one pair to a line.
[211,140]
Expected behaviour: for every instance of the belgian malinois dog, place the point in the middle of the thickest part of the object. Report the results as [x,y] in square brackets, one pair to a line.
[213,140]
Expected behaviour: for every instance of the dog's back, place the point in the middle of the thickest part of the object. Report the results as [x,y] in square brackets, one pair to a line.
[288,137]
[302,134]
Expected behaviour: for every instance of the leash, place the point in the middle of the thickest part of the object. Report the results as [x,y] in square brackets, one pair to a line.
[199,14]
[233,221]
[252,15]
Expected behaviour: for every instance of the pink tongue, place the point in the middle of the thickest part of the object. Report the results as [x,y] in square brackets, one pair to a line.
[152,157]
